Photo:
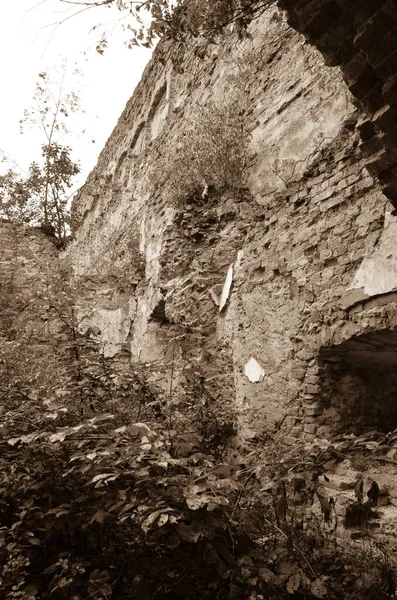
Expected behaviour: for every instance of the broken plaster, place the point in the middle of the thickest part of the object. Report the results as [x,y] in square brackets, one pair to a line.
[254,371]
[226,289]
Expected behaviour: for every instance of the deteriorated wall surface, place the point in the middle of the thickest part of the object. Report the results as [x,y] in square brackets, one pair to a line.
[361,37]
[311,244]
[305,343]
[178,253]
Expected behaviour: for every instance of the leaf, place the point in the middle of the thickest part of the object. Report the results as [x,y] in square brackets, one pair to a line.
[147,523]
[195,501]
[163,519]
[188,533]
[34,541]
[100,477]
[122,429]
[99,517]
[59,511]
[286,568]
[25,439]
[101,418]
[125,508]
[31,590]
[140,429]
[107,480]
[293,583]
[13,441]
[99,576]
[318,589]
[57,437]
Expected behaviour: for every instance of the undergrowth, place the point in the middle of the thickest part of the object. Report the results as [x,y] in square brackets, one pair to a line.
[107,508]
[212,152]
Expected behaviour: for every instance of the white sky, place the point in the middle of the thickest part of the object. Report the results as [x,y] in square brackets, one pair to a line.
[29,45]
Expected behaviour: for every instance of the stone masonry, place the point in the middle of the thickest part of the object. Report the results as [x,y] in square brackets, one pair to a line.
[360,36]
[274,307]
[301,339]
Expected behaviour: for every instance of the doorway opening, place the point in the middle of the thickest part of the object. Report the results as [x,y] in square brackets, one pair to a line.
[359,383]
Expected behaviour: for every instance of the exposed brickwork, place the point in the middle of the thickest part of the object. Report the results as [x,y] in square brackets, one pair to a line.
[185,249]
[296,243]
[311,241]
[296,265]
[360,36]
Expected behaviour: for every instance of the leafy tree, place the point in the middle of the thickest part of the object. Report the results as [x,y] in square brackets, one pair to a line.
[107,508]
[41,196]
[18,201]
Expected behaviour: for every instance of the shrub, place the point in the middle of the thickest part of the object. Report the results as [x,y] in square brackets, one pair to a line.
[212,152]
[93,508]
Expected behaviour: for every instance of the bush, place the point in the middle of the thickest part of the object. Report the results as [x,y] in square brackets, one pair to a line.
[212,152]
[100,508]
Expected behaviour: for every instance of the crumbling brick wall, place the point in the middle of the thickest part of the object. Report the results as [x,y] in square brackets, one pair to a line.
[360,36]
[309,243]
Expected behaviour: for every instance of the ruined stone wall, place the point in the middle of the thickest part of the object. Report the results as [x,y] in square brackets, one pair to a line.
[303,339]
[361,37]
[164,250]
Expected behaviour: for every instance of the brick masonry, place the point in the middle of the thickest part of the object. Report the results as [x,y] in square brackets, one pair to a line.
[308,242]
[310,318]
[360,36]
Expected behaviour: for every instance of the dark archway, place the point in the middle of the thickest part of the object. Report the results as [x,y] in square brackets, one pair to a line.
[359,383]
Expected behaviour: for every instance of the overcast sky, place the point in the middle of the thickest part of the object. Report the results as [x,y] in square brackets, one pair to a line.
[30,44]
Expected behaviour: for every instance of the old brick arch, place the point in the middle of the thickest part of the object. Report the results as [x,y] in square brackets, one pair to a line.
[359,382]
[360,36]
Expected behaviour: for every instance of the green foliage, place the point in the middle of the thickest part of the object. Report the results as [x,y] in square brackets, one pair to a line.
[106,493]
[102,507]
[209,18]
[18,199]
[211,153]
[97,483]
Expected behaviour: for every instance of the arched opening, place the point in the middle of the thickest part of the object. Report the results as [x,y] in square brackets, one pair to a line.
[359,383]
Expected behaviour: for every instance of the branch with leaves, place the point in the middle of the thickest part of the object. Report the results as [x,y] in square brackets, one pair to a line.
[151,20]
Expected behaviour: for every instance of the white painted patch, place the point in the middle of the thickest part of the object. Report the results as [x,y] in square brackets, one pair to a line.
[378,273]
[240,255]
[254,371]
[226,289]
